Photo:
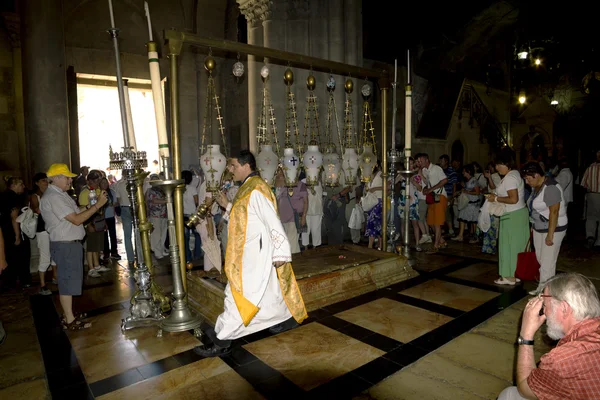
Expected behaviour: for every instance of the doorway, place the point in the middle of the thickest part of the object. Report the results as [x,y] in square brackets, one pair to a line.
[99,119]
[457,152]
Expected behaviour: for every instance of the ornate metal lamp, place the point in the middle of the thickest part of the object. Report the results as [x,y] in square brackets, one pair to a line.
[182,318]
[312,159]
[350,158]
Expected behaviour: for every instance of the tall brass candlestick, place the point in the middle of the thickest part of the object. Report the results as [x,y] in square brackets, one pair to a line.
[407,173]
[174,51]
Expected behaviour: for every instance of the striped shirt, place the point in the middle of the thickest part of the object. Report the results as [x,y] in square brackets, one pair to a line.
[591,178]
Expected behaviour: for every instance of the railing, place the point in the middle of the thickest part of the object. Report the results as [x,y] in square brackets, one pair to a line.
[491,130]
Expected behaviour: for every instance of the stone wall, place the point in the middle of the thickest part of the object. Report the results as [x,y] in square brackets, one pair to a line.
[13,153]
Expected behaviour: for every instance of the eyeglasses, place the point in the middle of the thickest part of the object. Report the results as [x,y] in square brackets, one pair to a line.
[544,295]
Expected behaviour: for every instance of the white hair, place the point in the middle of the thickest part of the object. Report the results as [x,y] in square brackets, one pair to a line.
[577,291]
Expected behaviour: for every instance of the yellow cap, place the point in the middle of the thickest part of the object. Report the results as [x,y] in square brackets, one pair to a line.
[60,169]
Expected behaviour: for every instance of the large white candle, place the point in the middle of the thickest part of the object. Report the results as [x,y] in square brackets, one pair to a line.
[408,113]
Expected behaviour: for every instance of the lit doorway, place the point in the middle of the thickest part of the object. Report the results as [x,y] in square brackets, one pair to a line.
[100,119]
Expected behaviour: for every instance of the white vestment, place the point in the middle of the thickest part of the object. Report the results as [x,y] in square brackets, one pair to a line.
[265,243]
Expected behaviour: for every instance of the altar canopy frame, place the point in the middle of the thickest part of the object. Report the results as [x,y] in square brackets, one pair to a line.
[174,41]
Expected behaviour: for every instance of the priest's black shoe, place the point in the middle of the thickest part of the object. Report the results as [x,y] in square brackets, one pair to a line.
[284,326]
[212,351]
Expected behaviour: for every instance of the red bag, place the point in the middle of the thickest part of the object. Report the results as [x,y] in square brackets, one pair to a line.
[429,198]
[528,268]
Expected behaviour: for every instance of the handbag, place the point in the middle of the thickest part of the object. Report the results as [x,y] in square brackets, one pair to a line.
[528,268]
[29,222]
[299,228]
[432,198]
[368,201]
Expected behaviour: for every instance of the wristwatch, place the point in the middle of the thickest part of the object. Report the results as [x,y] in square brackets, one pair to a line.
[521,341]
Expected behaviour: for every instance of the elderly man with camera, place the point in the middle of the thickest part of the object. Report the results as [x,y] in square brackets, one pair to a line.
[570,308]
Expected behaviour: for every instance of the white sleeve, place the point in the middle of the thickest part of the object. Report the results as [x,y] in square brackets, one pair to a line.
[511,182]
[265,211]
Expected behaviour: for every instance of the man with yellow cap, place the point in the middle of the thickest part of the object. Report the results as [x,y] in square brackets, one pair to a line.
[64,223]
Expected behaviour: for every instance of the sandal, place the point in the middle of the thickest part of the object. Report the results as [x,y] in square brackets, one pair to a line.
[504,281]
[76,325]
[79,316]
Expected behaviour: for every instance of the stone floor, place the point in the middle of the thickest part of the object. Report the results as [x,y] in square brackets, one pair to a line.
[448,333]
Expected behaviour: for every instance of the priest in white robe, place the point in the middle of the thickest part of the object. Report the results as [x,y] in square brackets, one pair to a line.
[262,291]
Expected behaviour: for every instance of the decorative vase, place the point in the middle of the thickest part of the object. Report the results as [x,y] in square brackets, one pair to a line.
[290,167]
[332,166]
[213,165]
[367,162]
[267,163]
[312,161]
[350,165]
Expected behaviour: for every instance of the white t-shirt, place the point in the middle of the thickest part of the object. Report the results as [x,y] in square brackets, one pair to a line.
[377,182]
[565,180]
[512,181]
[434,175]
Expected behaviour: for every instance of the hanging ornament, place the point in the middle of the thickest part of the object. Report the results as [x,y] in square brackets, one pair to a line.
[264,72]
[331,83]
[366,91]
[350,158]
[368,157]
[312,159]
[212,161]
[238,68]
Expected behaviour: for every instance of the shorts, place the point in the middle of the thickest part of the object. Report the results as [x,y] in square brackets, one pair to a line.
[436,212]
[69,255]
[95,242]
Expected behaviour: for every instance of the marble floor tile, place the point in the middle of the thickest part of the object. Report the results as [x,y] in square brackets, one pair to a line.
[492,356]
[108,359]
[36,389]
[176,379]
[226,386]
[405,385]
[433,262]
[506,326]
[105,328]
[460,376]
[21,336]
[154,348]
[480,272]
[20,367]
[394,319]
[450,294]
[313,354]
[14,307]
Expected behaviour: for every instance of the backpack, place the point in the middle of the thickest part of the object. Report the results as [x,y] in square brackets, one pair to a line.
[29,222]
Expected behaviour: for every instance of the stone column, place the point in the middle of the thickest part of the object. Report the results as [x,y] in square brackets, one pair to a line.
[336,53]
[45,83]
[319,47]
[351,57]
[274,33]
[14,153]
[297,39]
[251,10]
